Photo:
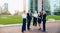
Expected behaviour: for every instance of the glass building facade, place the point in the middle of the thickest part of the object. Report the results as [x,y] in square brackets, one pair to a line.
[52,7]
[33,5]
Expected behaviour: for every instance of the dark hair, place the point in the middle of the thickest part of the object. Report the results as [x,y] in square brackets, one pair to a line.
[24,11]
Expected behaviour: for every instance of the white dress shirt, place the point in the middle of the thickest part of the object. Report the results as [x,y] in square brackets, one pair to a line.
[24,15]
[35,15]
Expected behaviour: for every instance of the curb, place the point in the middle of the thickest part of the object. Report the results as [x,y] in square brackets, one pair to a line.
[21,24]
[10,25]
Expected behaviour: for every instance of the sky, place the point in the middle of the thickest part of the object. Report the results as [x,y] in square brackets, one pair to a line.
[3,1]
[18,5]
[14,5]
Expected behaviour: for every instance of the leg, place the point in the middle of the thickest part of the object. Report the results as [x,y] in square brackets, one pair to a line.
[40,25]
[24,25]
[28,25]
[44,26]
[33,21]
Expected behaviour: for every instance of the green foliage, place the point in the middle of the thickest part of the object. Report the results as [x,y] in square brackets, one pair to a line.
[53,17]
[10,19]
[18,19]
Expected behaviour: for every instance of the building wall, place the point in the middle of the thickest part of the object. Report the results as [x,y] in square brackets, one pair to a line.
[54,6]
[39,5]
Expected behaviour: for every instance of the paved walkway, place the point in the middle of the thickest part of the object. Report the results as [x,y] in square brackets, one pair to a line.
[51,27]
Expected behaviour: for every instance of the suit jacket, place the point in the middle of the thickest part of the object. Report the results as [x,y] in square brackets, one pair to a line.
[44,17]
[29,16]
[40,16]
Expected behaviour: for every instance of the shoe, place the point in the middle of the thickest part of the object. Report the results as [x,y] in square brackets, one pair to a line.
[39,29]
[43,31]
[29,28]
[22,32]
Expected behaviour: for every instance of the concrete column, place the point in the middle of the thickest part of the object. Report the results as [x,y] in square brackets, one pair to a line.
[24,4]
[39,5]
[33,5]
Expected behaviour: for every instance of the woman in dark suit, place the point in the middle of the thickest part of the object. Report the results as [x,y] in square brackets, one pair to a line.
[35,15]
[44,20]
[39,20]
[24,15]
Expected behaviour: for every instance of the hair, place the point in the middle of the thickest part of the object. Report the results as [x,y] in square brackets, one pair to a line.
[24,11]
[43,12]
[29,10]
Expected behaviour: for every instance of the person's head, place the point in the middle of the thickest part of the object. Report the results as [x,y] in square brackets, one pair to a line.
[35,11]
[39,12]
[43,11]
[29,11]
[24,11]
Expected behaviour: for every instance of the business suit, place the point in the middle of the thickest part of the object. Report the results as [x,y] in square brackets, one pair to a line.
[35,19]
[24,23]
[44,22]
[39,18]
[29,17]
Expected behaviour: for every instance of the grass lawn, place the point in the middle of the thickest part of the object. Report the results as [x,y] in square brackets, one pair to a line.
[10,19]
[53,17]
[18,19]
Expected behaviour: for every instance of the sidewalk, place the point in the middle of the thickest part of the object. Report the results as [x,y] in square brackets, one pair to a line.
[50,28]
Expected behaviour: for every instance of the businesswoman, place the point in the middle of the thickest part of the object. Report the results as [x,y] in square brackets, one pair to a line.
[24,15]
[39,20]
[44,20]
[35,15]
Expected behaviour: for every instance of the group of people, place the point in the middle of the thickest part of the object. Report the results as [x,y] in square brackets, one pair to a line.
[37,17]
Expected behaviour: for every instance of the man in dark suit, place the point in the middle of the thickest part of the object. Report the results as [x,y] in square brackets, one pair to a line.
[44,20]
[29,17]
